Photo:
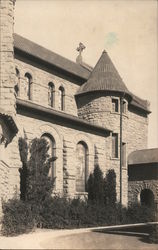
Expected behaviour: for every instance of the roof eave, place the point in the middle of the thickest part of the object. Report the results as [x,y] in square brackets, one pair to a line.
[64,116]
[24,53]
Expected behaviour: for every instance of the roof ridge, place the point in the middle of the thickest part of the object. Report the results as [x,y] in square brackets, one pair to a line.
[32,48]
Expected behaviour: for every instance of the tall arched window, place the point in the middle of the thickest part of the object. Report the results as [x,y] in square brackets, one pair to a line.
[81,166]
[61,98]
[28,88]
[51,94]
[17,83]
[51,152]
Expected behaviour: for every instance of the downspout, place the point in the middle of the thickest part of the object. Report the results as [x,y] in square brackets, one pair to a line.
[121,104]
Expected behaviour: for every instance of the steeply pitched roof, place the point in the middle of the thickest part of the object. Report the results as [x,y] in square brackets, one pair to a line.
[104,77]
[80,70]
[143,156]
[37,51]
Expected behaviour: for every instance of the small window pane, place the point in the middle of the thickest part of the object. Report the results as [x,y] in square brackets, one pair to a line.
[61,98]
[124,107]
[51,94]
[115,105]
[124,154]
[28,87]
[114,145]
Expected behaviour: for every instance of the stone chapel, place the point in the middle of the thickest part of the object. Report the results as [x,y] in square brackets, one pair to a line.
[87,115]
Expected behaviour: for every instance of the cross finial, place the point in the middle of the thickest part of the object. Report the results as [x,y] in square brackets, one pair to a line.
[80,48]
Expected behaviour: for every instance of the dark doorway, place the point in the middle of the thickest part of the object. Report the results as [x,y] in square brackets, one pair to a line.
[147,198]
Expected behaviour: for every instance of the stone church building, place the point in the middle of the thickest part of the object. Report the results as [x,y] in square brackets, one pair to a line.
[86,114]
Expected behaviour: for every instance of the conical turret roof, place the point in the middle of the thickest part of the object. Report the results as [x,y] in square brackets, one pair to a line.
[104,77]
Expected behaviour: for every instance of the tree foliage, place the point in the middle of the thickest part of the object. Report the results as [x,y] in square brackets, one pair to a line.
[102,189]
[110,188]
[95,185]
[23,149]
[39,183]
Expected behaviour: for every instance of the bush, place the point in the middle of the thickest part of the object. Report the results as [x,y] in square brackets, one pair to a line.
[153,236]
[17,218]
[95,186]
[55,213]
[110,188]
[62,213]
[40,209]
[138,214]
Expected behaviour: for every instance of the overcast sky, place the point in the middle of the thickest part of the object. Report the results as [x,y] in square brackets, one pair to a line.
[127,29]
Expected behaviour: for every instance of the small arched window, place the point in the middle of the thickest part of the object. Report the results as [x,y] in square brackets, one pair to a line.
[51,94]
[51,152]
[17,83]
[61,98]
[28,88]
[81,166]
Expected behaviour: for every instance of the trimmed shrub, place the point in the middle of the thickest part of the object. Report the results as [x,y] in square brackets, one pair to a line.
[138,214]
[95,186]
[55,213]
[110,188]
[17,218]
[90,185]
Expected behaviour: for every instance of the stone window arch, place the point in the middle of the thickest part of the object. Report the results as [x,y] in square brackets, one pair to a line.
[28,87]
[81,166]
[17,82]
[51,152]
[61,98]
[51,94]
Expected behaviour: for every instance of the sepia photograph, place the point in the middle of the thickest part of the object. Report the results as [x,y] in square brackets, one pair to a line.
[79,124]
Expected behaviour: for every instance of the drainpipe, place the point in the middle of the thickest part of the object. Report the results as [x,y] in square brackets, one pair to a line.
[121,104]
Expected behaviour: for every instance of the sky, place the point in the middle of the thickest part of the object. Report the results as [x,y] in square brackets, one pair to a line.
[126,29]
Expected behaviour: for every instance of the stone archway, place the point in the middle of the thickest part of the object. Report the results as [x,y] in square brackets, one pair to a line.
[135,191]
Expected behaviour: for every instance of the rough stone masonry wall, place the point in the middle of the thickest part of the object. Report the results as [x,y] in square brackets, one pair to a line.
[97,108]
[7,69]
[9,159]
[40,80]
[66,137]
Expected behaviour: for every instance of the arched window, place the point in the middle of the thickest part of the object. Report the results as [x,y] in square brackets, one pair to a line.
[17,83]
[61,98]
[51,152]
[81,166]
[28,88]
[51,94]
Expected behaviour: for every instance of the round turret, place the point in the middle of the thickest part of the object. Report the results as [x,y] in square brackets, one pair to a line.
[98,100]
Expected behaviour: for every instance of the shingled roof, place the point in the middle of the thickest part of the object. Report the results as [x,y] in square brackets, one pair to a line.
[104,77]
[30,48]
[140,103]
[113,80]
[143,156]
